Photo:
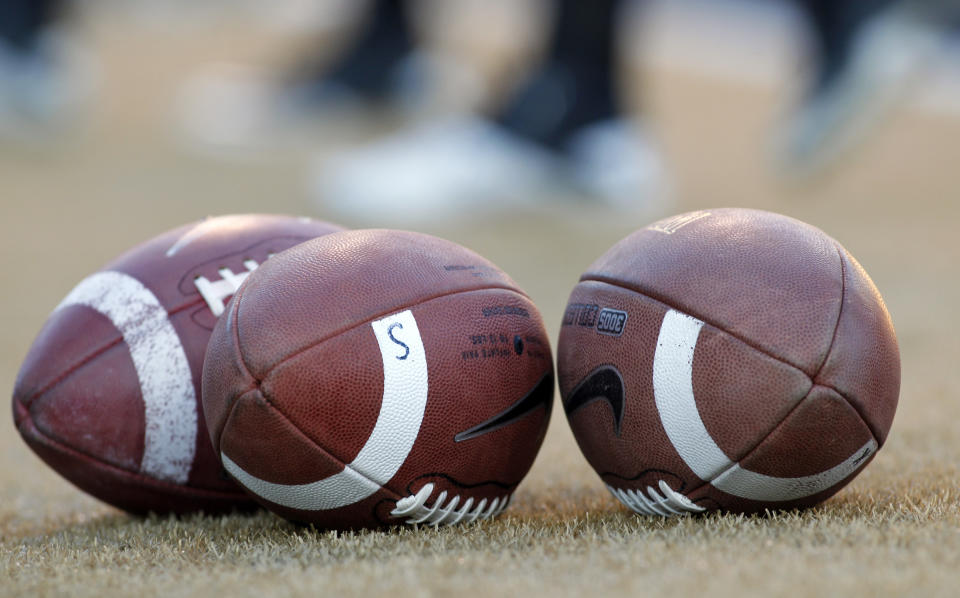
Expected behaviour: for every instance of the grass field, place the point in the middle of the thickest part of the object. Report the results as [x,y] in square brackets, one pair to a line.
[893,531]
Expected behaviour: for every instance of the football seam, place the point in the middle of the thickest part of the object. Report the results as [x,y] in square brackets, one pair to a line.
[93,355]
[234,331]
[366,322]
[59,445]
[836,325]
[258,382]
[663,301]
[836,331]
[266,398]
[737,337]
[244,253]
[752,449]
[31,399]
[813,381]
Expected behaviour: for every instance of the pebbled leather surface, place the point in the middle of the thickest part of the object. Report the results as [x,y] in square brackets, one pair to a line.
[294,379]
[77,400]
[795,367]
[769,279]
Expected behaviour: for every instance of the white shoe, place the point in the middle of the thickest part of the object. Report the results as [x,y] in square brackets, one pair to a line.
[616,163]
[467,166]
[887,59]
[460,167]
[234,109]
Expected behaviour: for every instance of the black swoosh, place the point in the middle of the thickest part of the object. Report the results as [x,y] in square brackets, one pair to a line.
[542,394]
[602,384]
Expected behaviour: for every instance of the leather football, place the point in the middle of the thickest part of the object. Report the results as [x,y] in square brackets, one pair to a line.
[109,393]
[379,377]
[727,359]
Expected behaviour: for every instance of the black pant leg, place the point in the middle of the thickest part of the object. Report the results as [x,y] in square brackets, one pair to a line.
[834,25]
[22,21]
[575,85]
[384,40]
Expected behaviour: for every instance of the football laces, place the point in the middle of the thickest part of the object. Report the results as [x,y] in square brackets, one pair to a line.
[217,292]
[446,511]
[666,503]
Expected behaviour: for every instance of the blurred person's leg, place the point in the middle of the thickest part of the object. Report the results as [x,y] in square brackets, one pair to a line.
[561,129]
[237,107]
[368,64]
[23,22]
[575,85]
[834,25]
[32,87]
[868,57]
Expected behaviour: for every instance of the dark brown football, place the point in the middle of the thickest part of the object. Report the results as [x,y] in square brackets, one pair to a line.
[379,377]
[727,359]
[109,393]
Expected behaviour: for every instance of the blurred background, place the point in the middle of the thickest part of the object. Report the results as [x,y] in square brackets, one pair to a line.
[536,132]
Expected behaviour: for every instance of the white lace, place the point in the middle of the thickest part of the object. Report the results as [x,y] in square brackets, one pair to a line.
[217,292]
[415,508]
[668,504]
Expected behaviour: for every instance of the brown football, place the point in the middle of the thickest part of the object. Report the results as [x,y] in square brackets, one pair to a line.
[109,393]
[379,377]
[727,359]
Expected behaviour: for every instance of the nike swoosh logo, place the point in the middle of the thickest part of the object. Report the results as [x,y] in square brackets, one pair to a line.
[602,384]
[541,395]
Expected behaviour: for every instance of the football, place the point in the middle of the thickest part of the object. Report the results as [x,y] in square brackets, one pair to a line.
[377,377]
[109,393]
[727,359]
